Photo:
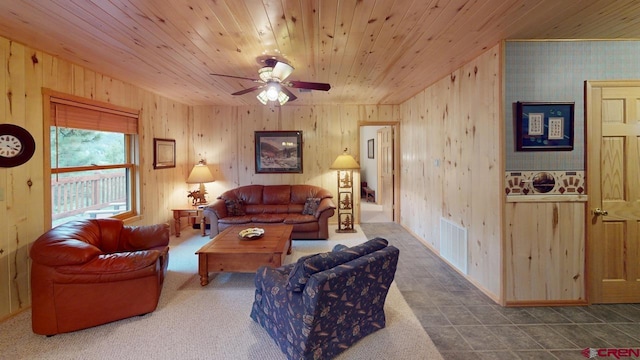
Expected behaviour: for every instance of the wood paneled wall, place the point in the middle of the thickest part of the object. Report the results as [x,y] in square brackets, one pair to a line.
[545,253]
[326,129]
[23,74]
[452,140]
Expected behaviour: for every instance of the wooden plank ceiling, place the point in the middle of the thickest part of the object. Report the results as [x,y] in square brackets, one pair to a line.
[370,51]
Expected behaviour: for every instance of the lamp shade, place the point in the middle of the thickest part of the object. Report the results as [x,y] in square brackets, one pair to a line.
[200,174]
[345,162]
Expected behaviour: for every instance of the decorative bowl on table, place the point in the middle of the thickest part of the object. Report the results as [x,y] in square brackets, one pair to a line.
[251,233]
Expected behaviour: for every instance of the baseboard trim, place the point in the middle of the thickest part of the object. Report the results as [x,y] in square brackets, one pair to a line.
[485,291]
[531,303]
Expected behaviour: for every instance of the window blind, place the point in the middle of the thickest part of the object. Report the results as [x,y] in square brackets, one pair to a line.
[89,117]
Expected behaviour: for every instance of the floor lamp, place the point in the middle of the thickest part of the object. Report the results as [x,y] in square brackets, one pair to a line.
[345,164]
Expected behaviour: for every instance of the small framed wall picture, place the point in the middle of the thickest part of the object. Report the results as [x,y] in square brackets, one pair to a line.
[164,153]
[370,149]
[544,126]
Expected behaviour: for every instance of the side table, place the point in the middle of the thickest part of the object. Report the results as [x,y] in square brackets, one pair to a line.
[189,212]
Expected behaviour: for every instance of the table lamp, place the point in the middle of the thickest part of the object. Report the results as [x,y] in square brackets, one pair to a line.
[200,174]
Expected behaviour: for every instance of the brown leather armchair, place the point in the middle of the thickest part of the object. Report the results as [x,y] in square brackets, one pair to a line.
[90,272]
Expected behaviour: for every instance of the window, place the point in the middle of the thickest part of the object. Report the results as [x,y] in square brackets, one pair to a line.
[92,159]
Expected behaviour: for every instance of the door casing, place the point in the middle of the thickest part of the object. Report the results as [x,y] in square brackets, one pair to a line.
[613,267]
[396,161]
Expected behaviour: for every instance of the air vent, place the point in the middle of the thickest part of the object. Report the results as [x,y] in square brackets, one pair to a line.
[453,244]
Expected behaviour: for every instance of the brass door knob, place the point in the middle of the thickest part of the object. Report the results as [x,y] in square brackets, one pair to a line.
[598,211]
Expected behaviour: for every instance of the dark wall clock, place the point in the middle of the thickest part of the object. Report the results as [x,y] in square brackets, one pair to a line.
[16,145]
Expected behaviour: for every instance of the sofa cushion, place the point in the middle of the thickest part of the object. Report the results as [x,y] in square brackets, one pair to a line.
[296,208]
[276,194]
[266,209]
[235,219]
[249,194]
[299,219]
[235,207]
[309,265]
[267,218]
[300,193]
[311,206]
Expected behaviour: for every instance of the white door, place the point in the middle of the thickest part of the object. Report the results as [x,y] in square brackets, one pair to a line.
[385,171]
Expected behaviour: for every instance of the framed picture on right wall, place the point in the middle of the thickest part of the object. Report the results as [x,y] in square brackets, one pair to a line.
[544,126]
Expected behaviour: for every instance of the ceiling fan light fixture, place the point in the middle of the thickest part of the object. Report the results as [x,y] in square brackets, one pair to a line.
[281,70]
[283,98]
[265,73]
[273,92]
[273,87]
[262,97]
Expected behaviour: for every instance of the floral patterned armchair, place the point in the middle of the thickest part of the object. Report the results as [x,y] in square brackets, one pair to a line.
[324,303]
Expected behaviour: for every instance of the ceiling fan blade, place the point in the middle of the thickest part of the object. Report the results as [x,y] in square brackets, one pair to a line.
[282,70]
[289,93]
[309,85]
[242,92]
[237,77]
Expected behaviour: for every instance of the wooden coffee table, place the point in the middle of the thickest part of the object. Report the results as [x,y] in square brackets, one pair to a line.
[227,252]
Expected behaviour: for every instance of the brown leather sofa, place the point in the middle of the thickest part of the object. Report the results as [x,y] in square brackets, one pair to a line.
[90,272]
[254,205]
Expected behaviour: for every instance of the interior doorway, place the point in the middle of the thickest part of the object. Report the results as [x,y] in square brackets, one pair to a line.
[377,173]
[613,169]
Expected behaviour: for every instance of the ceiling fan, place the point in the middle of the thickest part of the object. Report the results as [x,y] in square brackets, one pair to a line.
[272,79]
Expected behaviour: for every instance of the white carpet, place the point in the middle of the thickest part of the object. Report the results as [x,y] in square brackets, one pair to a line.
[211,322]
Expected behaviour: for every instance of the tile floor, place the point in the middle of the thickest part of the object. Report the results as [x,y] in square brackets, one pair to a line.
[372,213]
[465,324]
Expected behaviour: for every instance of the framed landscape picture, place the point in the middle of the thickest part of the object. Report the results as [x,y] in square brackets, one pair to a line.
[278,152]
[544,126]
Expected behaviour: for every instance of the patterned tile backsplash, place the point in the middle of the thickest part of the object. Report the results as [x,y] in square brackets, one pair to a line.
[544,183]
